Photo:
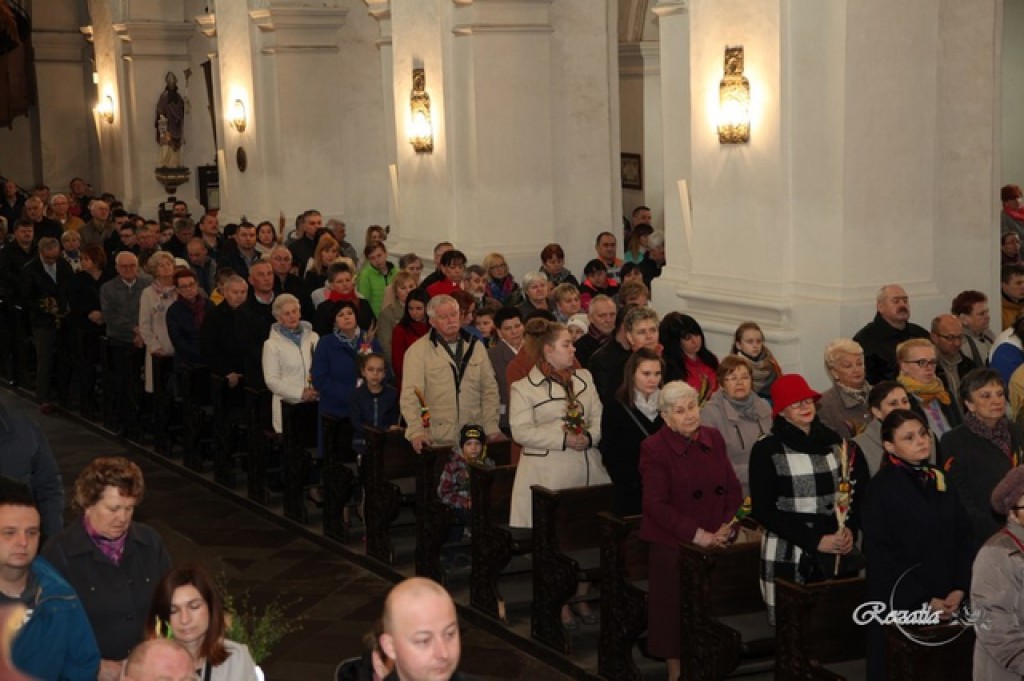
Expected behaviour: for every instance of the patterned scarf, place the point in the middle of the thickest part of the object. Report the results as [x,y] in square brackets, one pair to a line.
[926,392]
[928,474]
[111,548]
[999,435]
[350,341]
[765,369]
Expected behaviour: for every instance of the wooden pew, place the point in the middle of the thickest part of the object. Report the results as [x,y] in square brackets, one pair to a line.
[816,636]
[231,427]
[566,551]
[623,596]
[945,651]
[723,619]
[433,518]
[389,457]
[339,474]
[300,424]
[197,413]
[261,439]
[494,541]
[166,425]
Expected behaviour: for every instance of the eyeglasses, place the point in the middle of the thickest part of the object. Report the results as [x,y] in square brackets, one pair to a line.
[923,363]
[1017,508]
[951,337]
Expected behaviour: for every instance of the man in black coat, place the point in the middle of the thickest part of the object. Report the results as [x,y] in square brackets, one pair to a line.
[286,282]
[45,290]
[255,317]
[890,327]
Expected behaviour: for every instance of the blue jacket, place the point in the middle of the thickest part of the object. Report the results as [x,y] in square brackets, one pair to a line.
[380,411]
[336,373]
[57,643]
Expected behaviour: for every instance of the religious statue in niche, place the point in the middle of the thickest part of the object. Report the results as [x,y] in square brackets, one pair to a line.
[170,123]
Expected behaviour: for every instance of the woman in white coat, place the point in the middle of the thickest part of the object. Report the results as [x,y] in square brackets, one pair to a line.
[555,414]
[288,356]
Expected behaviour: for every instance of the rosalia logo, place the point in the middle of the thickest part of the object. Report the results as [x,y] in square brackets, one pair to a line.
[881,613]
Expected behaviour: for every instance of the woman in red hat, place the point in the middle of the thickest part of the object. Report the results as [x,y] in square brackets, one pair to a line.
[795,478]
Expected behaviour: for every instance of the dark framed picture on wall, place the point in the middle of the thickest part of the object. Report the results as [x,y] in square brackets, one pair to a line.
[632,171]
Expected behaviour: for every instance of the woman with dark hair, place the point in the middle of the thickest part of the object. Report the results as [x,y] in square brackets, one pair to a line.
[626,422]
[185,317]
[742,416]
[978,453]
[883,399]
[188,607]
[687,357]
[636,247]
[266,238]
[335,370]
[748,341]
[112,562]
[917,538]
[409,329]
[552,264]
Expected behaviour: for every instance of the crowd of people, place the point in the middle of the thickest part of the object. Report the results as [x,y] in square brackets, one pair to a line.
[589,382]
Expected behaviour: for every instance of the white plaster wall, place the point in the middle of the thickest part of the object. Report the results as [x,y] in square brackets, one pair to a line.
[633,125]
[871,160]
[1012,89]
[113,159]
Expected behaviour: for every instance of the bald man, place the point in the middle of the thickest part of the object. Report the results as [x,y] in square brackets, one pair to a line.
[890,327]
[947,337]
[420,632]
[160,659]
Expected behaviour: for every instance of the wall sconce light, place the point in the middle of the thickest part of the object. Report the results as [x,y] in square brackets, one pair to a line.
[734,100]
[238,118]
[421,130]
[105,109]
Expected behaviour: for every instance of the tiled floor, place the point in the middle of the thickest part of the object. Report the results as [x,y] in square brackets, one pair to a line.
[332,596]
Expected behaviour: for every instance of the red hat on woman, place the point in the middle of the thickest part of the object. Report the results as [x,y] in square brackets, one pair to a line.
[790,389]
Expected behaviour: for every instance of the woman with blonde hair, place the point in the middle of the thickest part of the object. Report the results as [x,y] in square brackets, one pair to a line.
[156,299]
[326,253]
[844,406]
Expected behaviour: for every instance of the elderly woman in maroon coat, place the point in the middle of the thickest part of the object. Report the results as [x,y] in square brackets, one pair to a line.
[690,493]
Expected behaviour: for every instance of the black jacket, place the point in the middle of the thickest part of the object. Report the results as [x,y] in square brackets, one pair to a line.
[879,340]
[623,430]
[47,300]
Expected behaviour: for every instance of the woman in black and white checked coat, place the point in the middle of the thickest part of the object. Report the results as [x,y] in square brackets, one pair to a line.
[794,477]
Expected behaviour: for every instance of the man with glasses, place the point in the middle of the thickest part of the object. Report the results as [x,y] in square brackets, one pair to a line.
[890,327]
[947,335]
[928,396]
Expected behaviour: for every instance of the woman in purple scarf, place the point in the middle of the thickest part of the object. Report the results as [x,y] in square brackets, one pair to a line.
[113,563]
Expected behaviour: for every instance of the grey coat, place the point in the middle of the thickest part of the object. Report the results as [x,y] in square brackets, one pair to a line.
[997,597]
[740,433]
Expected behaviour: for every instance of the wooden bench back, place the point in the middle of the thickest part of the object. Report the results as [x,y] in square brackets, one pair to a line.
[338,438]
[729,577]
[623,536]
[491,491]
[391,454]
[819,618]
[300,424]
[569,516]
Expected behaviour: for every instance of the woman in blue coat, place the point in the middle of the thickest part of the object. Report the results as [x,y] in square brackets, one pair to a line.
[336,361]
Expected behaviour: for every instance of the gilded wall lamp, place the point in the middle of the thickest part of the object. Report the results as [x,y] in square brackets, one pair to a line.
[421,129]
[734,100]
[105,109]
[238,117]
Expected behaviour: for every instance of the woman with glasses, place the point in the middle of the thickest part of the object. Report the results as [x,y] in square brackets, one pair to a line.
[794,485]
[977,454]
[928,395]
[742,416]
[500,284]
